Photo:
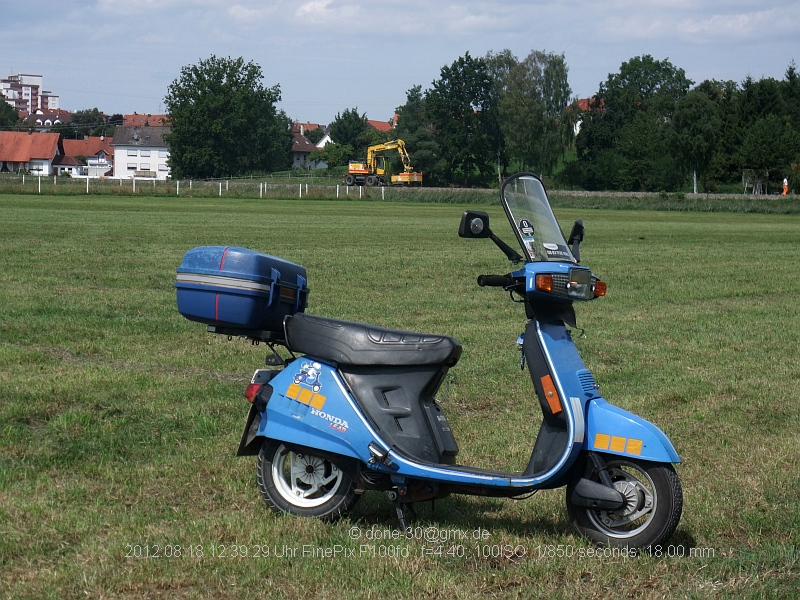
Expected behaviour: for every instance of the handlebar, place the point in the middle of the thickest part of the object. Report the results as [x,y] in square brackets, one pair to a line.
[495,280]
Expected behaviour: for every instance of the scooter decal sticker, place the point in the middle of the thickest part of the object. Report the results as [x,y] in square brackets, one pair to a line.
[615,443]
[309,375]
[305,396]
[305,388]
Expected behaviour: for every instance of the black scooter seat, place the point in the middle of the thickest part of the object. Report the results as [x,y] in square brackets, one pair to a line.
[358,344]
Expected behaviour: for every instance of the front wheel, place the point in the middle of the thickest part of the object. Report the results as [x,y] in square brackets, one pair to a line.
[653,505]
[302,483]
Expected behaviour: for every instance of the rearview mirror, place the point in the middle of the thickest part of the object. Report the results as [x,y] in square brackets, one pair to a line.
[474,224]
[575,239]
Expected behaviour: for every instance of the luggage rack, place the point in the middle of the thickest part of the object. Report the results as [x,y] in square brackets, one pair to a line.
[255,335]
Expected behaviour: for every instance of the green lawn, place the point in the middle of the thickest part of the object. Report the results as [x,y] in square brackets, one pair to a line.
[120,419]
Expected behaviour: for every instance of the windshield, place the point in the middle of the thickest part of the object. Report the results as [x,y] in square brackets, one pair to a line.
[532,220]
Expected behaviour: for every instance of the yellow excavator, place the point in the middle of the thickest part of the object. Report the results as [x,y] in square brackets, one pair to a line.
[373,170]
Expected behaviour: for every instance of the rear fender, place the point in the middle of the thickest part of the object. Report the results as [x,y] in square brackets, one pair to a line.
[613,430]
[250,443]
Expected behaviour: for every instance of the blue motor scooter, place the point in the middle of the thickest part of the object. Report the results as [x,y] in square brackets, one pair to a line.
[357,410]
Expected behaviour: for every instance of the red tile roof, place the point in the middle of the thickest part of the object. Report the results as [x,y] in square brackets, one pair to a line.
[139,120]
[90,146]
[379,125]
[306,127]
[21,147]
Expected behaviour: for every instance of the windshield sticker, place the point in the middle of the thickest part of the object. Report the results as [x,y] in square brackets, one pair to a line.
[528,242]
[526,228]
[556,251]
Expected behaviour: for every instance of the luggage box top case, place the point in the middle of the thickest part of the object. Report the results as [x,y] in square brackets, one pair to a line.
[238,289]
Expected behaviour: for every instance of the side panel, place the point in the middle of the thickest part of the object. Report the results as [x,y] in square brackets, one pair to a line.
[310,407]
[613,430]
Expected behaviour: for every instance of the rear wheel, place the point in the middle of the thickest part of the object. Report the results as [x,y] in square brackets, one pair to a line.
[653,505]
[302,483]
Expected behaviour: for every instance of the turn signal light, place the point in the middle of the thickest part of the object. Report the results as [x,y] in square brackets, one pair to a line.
[599,289]
[544,282]
[251,391]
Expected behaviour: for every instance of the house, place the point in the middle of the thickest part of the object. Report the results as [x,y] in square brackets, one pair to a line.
[43,119]
[31,152]
[140,152]
[94,153]
[302,150]
[68,165]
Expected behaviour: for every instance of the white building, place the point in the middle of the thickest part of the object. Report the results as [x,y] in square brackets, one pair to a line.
[141,153]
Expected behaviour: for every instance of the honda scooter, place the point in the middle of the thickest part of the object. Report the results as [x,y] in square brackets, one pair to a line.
[354,408]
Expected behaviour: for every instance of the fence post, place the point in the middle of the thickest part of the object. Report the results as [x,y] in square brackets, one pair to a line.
[87,184]
[220,189]
[40,184]
[134,184]
[178,190]
[337,191]
[383,193]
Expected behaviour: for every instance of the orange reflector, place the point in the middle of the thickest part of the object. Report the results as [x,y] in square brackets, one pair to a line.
[544,282]
[251,391]
[551,395]
[599,289]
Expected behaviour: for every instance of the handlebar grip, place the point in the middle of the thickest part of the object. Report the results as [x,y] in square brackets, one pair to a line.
[495,280]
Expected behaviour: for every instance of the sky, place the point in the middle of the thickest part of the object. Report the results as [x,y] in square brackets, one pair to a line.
[329,56]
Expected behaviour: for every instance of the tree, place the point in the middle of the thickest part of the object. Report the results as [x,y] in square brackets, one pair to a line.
[696,130]
[334,155]
[350,129]
[415,129]
[533,111]
[224,121]
[462,108]
[8,116]
[769,145]
[84,122]
[633,106]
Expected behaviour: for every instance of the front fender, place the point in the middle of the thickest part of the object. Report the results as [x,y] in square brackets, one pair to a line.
[613,430]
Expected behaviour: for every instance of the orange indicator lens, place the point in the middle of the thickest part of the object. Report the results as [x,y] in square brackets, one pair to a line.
[544,282]
[599,289]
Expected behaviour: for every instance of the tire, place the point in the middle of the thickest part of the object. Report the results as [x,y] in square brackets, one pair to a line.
[349,180]
[650,515]
[370,181]
[303,484]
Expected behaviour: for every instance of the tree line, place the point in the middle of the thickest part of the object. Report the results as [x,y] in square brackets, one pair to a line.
[648,127]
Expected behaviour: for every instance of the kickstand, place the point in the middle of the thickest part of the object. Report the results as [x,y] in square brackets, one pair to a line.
[400,508]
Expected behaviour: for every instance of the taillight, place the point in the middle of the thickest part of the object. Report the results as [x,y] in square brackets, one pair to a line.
[251,391]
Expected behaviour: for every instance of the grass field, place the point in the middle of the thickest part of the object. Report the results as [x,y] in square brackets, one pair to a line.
[119,419]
